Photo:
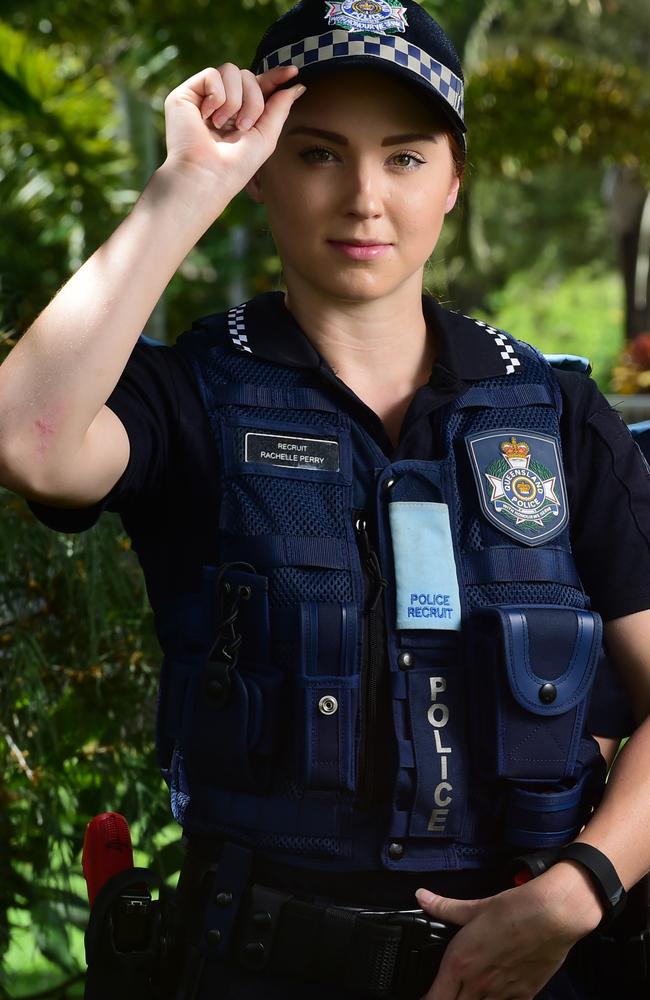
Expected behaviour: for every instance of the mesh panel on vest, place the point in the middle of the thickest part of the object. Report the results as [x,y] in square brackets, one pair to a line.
[465,851]
[228,366]
[300,845]
[523,593]
[274,505]
[538,418]
[471,535]
[289,586]
[306,418]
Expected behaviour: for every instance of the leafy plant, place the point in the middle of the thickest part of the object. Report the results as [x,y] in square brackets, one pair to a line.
[78,663]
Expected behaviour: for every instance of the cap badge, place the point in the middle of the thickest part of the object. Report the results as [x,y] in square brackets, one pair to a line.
[376,17]
[521,487]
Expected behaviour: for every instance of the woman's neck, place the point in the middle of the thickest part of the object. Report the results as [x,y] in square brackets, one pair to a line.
[380,349]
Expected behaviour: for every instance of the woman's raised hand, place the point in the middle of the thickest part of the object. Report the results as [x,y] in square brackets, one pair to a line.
[224,123]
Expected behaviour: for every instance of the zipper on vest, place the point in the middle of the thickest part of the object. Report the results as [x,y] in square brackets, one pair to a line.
[374,701]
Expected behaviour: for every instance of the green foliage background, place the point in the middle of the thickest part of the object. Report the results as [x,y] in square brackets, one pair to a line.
[551,106]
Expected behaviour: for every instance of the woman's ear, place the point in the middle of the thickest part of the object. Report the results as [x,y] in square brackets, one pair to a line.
[452,196]
[254,189]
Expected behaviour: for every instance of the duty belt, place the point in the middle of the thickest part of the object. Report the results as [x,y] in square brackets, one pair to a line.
[366,952]
[140,949]
[226,915]
[371,953]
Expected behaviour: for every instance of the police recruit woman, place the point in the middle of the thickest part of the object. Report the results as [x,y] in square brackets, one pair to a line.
[380,540]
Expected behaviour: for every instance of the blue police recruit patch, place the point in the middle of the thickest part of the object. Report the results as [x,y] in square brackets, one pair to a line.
[520,483]
[377,17]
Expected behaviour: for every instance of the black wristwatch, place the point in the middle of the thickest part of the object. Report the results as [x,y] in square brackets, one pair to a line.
[603,875]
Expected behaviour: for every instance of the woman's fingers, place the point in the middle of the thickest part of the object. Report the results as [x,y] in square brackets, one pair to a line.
[214,95]
[274,78]
[236,97]
[240,126]
[277,111]
[226,89]
[230,95]
[252,106]
[231,76]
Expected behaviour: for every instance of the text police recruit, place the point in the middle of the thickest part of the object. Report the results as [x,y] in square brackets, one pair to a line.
[430,606]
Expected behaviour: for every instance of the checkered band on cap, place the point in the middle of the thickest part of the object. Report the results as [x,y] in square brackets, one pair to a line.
[392,48]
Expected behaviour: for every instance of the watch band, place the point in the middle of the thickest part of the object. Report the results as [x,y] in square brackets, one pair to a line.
[603,875]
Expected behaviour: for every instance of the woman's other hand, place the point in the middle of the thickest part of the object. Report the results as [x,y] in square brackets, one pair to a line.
[223,124]
[511,944]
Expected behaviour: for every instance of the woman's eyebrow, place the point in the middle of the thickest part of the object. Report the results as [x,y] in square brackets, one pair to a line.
[390,140]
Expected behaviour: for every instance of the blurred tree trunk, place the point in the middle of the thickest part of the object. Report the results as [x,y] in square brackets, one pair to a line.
[628,201]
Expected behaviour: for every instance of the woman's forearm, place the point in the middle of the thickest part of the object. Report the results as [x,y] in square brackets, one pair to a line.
[620,827]
[63,370]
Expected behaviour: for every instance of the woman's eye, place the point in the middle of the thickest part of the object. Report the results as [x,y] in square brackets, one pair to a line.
[317,155]
[407,161]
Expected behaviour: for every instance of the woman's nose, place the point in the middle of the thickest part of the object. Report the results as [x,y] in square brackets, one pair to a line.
[363,195]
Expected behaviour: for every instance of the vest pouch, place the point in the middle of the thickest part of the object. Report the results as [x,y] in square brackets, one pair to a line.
[326,702]
[230,720]
[532,673]
[327,714]
[539,816]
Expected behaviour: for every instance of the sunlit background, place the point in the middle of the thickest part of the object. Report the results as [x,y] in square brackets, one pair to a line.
[551,242]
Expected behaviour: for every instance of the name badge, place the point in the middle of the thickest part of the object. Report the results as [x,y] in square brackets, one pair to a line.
[425,568]
[317,454]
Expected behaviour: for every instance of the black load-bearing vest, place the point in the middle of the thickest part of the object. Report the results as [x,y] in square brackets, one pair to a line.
[391,662]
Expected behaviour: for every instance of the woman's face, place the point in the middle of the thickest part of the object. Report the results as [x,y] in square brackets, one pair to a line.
[360,161]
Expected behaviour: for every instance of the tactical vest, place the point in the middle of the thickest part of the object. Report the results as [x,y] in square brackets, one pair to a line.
[391,662]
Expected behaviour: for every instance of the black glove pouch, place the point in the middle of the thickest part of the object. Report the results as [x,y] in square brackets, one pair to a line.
[533,669]
[532,674]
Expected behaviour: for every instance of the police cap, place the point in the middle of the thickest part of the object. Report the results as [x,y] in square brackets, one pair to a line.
[396,35]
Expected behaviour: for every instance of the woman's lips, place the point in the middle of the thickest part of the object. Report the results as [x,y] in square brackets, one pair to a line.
[355,251]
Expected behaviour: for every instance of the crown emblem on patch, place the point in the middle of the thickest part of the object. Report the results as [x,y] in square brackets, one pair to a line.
[376,17]
[514,449]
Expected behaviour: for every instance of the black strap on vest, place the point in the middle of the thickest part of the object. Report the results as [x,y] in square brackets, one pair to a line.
[509,564]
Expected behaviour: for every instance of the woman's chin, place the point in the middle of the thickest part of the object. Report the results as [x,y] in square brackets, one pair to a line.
[359,287]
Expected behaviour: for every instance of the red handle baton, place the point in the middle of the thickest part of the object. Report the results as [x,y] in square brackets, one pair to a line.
[107,850]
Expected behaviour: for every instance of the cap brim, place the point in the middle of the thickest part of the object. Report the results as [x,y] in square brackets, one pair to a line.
[318,69]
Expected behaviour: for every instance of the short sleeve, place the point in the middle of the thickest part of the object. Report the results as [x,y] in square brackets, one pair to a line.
[609,495]
[147,400]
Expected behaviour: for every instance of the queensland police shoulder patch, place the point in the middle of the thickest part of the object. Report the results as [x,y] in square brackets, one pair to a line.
[520,483]
[376,17]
